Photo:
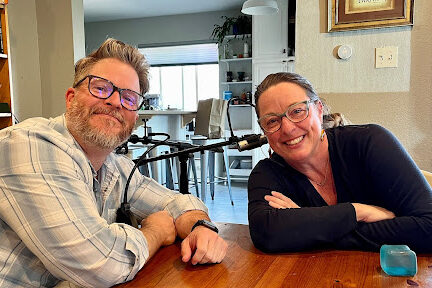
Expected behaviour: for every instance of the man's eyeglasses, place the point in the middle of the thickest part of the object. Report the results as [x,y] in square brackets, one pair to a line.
[103,89]
[296,112]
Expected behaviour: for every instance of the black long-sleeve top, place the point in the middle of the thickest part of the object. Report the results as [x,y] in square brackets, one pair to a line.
[369,166]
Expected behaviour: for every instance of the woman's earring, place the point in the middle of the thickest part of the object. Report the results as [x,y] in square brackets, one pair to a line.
[322,135]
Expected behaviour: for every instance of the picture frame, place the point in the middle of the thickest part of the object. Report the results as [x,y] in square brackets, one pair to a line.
[365,14]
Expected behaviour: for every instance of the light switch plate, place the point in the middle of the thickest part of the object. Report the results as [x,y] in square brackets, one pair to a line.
[386,57]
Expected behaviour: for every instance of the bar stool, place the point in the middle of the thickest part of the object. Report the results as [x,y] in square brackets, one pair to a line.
[209,129]
[207,166]
[172,172]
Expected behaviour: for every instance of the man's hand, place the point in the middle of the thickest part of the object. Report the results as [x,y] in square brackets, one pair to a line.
[280,201]
[207,245]
[371,213]
[159,230]
[202,245]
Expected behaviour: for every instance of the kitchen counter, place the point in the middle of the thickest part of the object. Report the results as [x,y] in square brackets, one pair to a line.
[187,116]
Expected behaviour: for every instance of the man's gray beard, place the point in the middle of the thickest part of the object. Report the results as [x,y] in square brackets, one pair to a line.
[78,119]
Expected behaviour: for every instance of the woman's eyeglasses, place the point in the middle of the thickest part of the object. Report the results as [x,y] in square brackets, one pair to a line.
[103,89]
[296,112]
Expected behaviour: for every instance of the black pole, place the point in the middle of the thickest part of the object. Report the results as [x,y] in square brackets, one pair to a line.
[183,181]
[183,155]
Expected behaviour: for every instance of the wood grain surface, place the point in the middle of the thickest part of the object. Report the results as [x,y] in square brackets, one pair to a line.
[245,266]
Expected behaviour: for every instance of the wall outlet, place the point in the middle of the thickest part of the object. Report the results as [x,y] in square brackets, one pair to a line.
[386,57]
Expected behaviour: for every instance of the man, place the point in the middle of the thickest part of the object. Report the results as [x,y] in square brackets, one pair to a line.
[61,186]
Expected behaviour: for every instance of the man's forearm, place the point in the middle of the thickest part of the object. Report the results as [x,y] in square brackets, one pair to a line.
[154,239]
[185,221]
[159,230]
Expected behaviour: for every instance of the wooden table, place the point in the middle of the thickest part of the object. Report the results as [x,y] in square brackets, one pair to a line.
[245,266]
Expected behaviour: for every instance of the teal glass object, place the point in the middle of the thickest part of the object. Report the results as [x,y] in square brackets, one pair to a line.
[398,260]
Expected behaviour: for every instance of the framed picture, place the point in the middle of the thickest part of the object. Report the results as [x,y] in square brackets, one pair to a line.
[363,14]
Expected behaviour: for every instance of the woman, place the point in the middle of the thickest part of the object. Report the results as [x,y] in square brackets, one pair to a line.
[349,187]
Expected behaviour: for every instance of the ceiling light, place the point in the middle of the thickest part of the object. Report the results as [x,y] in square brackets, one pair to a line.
[260,7]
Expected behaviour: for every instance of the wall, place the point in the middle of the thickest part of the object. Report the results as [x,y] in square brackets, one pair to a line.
[42,45]
[163,29]
[78,30]
[24,59]
[399,99]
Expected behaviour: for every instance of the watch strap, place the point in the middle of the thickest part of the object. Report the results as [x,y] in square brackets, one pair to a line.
[206,224]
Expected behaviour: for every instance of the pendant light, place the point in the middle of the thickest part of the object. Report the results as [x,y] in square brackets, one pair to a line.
[260,7]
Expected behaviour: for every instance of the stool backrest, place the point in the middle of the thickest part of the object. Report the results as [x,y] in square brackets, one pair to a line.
[210,118]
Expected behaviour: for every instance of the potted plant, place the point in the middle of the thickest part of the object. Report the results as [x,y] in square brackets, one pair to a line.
[232,25]
[220,31]
[242,25]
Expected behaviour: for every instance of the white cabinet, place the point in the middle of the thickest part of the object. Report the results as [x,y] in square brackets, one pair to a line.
[270,33]
[262,68]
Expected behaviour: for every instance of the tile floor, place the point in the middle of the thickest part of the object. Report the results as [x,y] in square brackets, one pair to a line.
[221,210]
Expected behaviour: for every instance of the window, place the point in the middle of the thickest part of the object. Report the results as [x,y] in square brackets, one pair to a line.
[183,74]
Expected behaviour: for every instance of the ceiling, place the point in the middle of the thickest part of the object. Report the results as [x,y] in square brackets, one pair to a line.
[106,10]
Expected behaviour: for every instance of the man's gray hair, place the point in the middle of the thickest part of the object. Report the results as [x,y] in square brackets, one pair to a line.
[112,48]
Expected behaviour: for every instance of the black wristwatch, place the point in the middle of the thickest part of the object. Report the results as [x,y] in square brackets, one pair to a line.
[205,223]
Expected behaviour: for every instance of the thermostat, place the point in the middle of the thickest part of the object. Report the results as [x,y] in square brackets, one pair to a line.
[344,52]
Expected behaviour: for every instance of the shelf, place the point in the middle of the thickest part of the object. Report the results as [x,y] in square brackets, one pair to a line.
[2,55]
[239,105]
[5,115]
[235,59]
[236,83]
[240,36]
[166,112]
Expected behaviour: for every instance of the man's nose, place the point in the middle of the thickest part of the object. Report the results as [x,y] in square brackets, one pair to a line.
[114,100]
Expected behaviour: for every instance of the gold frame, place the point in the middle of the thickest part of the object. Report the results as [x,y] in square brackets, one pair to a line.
[366,14]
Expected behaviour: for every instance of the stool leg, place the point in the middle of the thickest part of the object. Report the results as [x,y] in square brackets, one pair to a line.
[147,169]
[168,175]
[150,170]
[175,170]
[225,156]
[203,165]
[192,165]
[211,167]
[144,169]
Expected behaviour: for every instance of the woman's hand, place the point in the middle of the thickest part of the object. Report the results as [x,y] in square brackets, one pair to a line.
[371,213]
[280,201]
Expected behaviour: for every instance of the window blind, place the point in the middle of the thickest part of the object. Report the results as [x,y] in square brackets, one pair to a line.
[189,54]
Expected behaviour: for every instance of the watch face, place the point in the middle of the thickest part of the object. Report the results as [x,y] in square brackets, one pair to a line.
[208,224]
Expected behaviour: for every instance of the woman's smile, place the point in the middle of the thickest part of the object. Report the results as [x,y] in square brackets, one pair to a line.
[295,141]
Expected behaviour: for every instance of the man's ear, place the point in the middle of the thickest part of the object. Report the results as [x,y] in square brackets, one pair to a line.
[70,94]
